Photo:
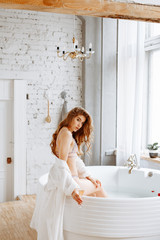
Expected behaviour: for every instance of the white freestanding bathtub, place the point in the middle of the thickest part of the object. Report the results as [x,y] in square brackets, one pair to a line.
[131,211]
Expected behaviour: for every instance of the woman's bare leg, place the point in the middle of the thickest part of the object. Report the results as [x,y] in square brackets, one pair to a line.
[101,193]
[90,189]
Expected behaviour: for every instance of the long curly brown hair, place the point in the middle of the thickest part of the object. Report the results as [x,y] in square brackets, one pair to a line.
[83,135]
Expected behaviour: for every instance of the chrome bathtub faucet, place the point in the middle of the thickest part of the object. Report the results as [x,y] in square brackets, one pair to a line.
[132,162]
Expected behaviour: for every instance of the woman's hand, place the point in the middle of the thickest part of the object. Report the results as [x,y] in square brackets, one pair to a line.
[76,197]
[96,182]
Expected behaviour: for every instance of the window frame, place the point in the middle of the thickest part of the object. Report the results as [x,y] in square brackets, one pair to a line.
[151,44]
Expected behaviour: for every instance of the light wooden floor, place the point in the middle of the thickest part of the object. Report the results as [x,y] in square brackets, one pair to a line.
[15,218]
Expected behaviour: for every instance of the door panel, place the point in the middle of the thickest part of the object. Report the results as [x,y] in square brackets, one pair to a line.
[6,150]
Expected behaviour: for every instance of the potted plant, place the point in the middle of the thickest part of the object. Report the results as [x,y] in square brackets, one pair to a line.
[153,150]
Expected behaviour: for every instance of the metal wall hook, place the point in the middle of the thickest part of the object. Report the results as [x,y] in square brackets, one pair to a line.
[63,95]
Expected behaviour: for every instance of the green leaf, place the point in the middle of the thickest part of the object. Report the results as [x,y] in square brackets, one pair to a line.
[149,146]
[155,147]
[154,144]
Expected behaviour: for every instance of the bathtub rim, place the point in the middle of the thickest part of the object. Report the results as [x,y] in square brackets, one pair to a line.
[130,199]
[122,199]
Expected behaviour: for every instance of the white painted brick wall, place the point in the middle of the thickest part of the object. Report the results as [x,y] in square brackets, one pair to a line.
[28,50]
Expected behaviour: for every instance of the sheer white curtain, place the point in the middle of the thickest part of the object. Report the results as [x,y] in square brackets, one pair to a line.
[131,57]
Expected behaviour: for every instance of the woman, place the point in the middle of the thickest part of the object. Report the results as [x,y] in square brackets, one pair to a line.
[67,140]
[67,175]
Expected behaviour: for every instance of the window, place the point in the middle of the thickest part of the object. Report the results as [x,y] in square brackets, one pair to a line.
[152,48]
[154,29]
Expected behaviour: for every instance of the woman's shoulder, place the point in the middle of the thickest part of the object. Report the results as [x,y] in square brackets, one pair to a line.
[65,133]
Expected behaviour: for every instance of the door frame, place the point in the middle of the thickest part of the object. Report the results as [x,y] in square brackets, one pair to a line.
[18,134]
[20,176]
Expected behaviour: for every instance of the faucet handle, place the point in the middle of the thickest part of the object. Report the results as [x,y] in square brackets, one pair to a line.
[130,159]
[133,159]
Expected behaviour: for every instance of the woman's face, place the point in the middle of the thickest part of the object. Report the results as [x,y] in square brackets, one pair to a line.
[76,123]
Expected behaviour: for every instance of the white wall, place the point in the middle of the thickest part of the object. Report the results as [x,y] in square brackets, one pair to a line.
[150,164]
[28,51]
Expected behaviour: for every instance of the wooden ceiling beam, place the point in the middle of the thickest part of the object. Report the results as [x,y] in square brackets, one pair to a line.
[95,8]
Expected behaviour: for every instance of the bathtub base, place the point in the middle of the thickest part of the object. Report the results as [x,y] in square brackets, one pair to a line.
[74,236]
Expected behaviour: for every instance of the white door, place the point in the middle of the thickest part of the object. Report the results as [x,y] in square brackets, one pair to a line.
[6,140]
